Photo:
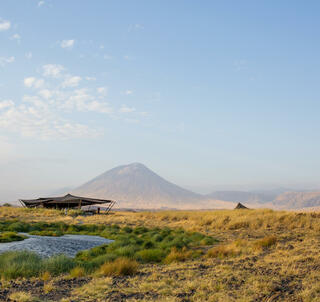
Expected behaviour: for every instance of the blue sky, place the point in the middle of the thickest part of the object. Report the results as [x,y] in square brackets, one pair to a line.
[205,93]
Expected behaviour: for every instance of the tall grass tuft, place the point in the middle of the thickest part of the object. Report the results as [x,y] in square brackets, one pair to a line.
[46,276]
[178,255]
[77,272]
[59,264]
[119,267]
[224,251]
[20,264]
[265,242]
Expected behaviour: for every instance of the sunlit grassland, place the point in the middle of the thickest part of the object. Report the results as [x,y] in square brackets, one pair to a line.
[262,255]
[218,220]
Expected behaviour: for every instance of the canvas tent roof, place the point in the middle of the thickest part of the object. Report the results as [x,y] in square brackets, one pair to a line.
[63,201]
[240,206]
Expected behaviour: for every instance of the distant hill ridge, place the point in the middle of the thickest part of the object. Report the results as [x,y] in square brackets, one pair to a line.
[242,196]
[298,200]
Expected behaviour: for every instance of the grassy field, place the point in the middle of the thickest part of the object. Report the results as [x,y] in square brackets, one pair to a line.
[243,255]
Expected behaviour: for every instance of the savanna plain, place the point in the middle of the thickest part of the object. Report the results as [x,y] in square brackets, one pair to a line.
[223,255]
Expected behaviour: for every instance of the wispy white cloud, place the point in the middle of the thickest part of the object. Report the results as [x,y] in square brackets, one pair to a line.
[133,27]
[42,112]
[143,113]
[52,70]
[67,43]
[45,93]
[128,92]
[33,82]
[6,103]
[40,3]
[107,57]
[132,120]
[71,81]
[126,109]
[35,119]
[4,25]
[28,55]
[16,37]
[97,106]
[83,100]
[240,64]
[6,60]
[102,90]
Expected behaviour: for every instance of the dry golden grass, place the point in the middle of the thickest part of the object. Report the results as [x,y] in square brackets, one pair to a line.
[265,242]
[21,297]
[93,291]
[277,274]
[205,221]
[48,287]
[77,272]
[224,251]
[119,267]
[176,255]
[46,276]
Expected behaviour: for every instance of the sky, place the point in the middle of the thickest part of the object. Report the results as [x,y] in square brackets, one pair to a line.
[208,94]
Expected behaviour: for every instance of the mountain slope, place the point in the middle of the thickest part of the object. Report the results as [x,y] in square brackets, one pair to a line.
[137,186]
[242,196]
[297,200]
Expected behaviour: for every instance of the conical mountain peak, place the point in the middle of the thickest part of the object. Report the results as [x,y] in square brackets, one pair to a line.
[132,167]
[136,185]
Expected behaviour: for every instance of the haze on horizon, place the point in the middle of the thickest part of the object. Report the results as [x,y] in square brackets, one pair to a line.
[208,95]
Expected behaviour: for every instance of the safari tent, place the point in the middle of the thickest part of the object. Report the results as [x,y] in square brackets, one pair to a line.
[66,202]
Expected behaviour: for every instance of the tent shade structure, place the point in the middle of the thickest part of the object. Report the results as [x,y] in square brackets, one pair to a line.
[240,206]
[66,202]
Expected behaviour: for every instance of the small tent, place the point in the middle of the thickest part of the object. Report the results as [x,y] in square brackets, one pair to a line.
[240,206]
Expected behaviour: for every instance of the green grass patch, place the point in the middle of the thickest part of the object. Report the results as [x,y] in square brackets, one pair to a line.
[10,237]
[151,255]
[141,244]
[24,264]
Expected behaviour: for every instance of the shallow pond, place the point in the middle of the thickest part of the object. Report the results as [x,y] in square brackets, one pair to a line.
[47,246]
